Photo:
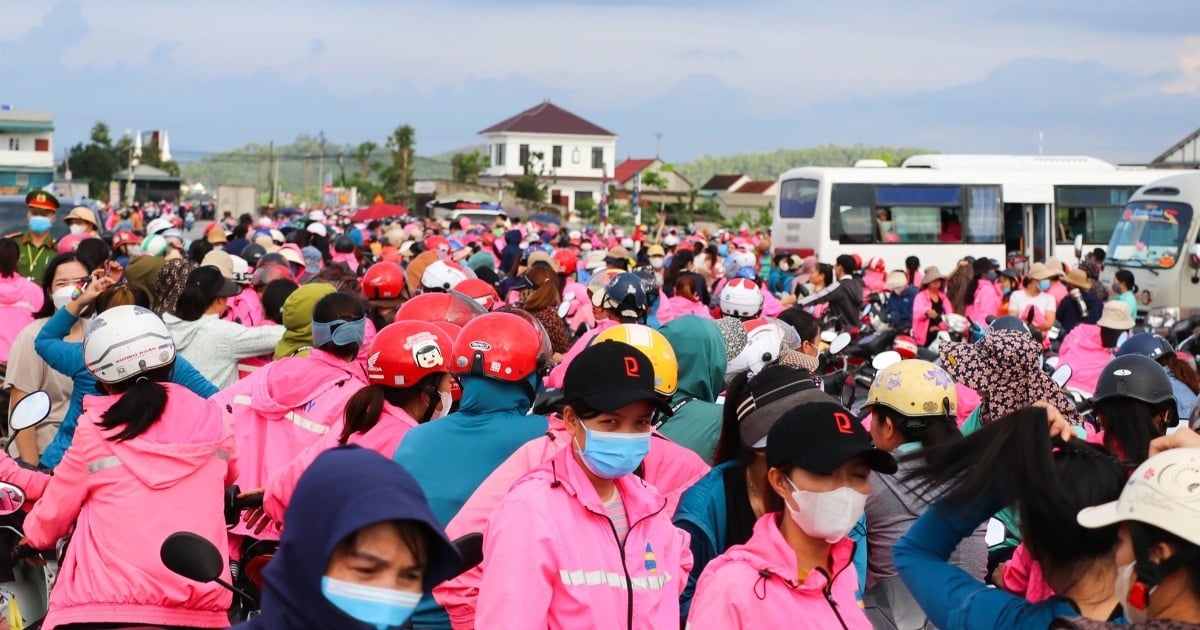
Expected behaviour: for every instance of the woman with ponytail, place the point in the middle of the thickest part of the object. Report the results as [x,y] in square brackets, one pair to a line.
[149,459]
[408,370]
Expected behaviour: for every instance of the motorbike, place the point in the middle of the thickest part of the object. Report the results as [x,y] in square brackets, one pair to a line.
[25,591]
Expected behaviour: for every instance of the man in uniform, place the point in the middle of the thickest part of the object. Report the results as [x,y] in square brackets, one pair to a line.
[37,246]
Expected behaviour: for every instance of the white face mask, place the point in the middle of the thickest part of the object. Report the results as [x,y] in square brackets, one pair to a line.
[783,266]
[585,247]
[656,262]
[827,515]
[1125,579]
[77,228]
[446,400]
[62,297]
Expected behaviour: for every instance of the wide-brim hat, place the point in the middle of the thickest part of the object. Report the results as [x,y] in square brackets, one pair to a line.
[932,273]
[1078,278]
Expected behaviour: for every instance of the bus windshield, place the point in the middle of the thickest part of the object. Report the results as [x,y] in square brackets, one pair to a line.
[1149,234]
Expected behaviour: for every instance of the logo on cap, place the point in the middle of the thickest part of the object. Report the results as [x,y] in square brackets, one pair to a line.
[844,422]
[631,367]
[482,346]
[1122,373]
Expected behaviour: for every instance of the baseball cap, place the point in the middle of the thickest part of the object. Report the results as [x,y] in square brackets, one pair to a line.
[1162,492]
[821,436]
[221,260]
[215,234]
[609,375]
[211,283]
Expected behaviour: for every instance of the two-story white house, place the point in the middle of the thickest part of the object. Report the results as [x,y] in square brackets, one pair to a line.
[573,157]
[26,151]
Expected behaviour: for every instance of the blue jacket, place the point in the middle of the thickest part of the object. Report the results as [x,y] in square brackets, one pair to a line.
[1070,315]
[330,503]
[780,282]
[451,456]
[1185,398]
[950,596]
[67,358]
[899,308]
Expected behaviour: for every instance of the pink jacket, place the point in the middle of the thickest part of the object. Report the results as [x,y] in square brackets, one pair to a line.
[968,400]
[123,499]
[555,378]
[1085,353]
[1057,290]
[284,408]
[754,586]
[246,308]
[670,468]
[920,322]
[678,306]
[19,299]
[771,305]
[1023,576]
[551,558]
[383,438]
[986,302]
[580,312]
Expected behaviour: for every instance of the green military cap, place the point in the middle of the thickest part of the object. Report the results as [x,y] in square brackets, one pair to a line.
[41,200]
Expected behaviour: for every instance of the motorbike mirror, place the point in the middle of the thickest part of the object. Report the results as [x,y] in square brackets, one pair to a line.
[839,343]
[470,547]
[191,556]
[30,411]
[1078,246]
[12,499]
[1194,256]
[564,307]
[866,310]
[995,532]
[828,336]
[884,360]
[1122,338]
[1061,375]
[1052,362]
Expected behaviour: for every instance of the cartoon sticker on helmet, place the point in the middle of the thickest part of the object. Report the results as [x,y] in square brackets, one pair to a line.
[428,356]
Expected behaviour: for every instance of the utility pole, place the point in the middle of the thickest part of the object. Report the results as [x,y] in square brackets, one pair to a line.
[321,172]
[658,144]
[274,178]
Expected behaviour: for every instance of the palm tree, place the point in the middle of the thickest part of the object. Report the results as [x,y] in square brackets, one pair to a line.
[362,154]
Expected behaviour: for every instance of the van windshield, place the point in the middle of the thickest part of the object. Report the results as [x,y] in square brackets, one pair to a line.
[1150,234]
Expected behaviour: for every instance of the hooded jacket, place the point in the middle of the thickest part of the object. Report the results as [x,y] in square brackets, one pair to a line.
[677,306]
[1083,350]
[123,499]
[669,467]
[754,586]
[297,319]
[700,351]
[284,408]
[246,308]
[551,558]
[214,345]
[19,299]
[985,303]
[511,251]
[331,503]
[920,321]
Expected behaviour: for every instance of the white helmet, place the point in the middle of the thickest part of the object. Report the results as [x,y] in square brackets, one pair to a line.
[159,225]
[741,298]
[126,341]
[154,245]
[670,240]
[241,270]
[764,346]
[442,276]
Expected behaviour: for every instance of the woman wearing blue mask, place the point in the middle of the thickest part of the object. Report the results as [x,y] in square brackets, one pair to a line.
[1032,304]
[583,541]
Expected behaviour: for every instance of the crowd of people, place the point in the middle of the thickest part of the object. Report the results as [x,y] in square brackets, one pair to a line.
[635,423]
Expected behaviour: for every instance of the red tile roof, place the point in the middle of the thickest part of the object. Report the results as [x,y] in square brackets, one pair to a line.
[548,118]
[721,182]
[755,187]
[630,167]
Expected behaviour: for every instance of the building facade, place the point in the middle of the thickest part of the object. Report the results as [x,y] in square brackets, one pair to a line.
[26,151]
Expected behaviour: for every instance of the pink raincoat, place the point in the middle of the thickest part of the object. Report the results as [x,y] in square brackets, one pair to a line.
[920,322]
[19,299]
[678,306]
[247,309]
[383,438]
[551,558]
[282,409]
[1085,353]
[580,312]
[754,586]
[669,467]
[124,498]
[986,302]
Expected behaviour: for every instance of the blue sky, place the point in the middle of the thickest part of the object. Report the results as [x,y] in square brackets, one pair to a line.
[1118,80]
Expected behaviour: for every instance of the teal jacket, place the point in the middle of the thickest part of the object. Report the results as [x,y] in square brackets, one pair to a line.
[700,351]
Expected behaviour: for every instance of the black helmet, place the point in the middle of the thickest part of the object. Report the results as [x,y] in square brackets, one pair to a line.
[343,244]
[1146,344]
[1009,322]
[1136,377]
[624,294]
[253,253]
[649,284]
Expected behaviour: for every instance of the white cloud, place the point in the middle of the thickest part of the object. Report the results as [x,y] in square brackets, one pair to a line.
[1189,68]
[20,17]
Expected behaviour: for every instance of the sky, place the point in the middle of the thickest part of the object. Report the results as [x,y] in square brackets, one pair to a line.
[1109,78]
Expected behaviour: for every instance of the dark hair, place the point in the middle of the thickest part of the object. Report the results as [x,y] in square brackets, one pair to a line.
[48,280]
[1014,462]
[846,262]
[1145,535]
[274,294]
[772,502]
[729,443]
[1110,336]
[366,405]
[10,255]
[415,535]
[1129,426]
[333,307]
[687,283]
[930,431]
[778,257]
[198,250]
[192,303]
[912,264]
[122,295]
[239,230]
[826,271]
[805,324]
[94,249]
[1125,277]
[679,262]
[1182,371]
[142,402]
[544,291]
[341,277]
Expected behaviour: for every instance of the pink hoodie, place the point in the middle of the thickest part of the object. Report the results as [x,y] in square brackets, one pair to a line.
[1085,353]
[920,322]
[123,499]
[678,306]
[555,379]
[551,558]
[986,302]
[581,312]
[246,308]
[282,409]
[754,586]
[19,299]
[670,468]
[383,438]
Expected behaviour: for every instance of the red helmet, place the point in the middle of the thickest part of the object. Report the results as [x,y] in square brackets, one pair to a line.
[502,346]
[125,237]
[383,281]
[877,264]
[403,353]
[437,244]
[567,261]
[857,261]
[906,346]
[452,330]
[451,306]
[480,291]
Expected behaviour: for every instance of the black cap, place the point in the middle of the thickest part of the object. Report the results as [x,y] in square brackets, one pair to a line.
[609,375]
[212,284]
[821,436]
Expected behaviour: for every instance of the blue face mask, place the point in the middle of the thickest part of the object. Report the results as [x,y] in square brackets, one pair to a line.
[991,275]
[613,455]
[339,331]
[39,225]
[1044,284]
[380,607]
[1006,291]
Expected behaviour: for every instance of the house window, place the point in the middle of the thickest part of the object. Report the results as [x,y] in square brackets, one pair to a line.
[581,195]
[41,144]
[500,151]
[557,156]
[524,155]
[597,157]
[14,144]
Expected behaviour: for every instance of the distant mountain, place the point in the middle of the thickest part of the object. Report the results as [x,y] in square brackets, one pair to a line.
[764,166]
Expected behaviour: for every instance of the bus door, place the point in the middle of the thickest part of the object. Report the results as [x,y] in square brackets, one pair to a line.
[1029,207]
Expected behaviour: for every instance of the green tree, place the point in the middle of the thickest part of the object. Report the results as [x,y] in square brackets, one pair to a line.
[400,178]
[529,186]
[363,154]
[97,161]
[468,166]
[588,210]
[152,156]
[709,210]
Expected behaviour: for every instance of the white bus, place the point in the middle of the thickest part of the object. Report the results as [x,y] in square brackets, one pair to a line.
[941,208]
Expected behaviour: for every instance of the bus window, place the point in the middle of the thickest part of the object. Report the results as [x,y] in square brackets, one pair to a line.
[798,198]
[984,220]
[852,219]
[1089,210]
